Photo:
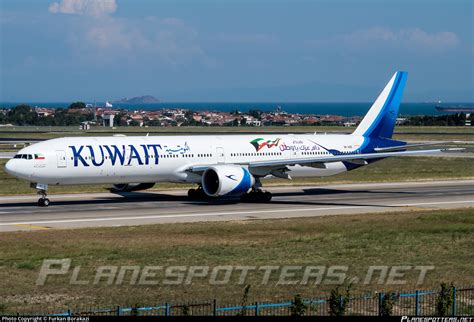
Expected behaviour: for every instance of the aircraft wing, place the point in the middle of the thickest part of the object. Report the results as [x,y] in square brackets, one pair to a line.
[356,158]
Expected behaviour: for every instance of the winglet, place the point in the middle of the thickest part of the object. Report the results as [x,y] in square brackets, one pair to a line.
[380,121]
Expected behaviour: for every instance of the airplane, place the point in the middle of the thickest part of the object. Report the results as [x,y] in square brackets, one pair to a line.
[221,165]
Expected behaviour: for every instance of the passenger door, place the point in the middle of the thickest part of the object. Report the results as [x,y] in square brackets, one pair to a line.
[61,157]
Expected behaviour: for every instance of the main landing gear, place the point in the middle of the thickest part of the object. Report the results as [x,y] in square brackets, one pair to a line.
[197,194]
[256,195]
[42,188]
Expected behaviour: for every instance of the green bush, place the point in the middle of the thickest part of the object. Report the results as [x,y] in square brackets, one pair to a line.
[338,302]
[445,300]
[388,301]
[297,308]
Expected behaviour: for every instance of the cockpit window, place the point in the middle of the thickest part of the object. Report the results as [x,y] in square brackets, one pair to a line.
[23,156]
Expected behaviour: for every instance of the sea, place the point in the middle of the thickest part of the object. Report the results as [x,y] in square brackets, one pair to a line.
[343,109]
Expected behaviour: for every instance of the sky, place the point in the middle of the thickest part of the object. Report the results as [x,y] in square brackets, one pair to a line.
[235,50]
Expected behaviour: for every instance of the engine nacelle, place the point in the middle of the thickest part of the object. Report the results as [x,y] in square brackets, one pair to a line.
[226,180]
[127,187]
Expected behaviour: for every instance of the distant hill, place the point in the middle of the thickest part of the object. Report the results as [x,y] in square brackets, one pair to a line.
[146,99]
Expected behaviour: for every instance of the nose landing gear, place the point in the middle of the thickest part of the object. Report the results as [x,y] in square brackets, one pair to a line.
[42,188]
[43,201]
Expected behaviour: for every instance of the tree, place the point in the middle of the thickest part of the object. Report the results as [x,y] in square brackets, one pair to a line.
[189,114]
[185,311]
[134,123]
[77,105]
[256,114]
[338,302]
[243,302]
[22,115]
[297,308]
[388,301]
[445,300]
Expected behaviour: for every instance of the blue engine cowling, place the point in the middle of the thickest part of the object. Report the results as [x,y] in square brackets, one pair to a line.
[227,180]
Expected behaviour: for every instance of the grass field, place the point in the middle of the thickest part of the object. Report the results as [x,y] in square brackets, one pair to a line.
[392,169]
[443,239]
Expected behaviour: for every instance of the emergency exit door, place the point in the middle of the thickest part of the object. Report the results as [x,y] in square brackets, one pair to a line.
[220,155]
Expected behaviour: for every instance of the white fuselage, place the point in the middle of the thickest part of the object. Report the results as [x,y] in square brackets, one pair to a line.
[143,159]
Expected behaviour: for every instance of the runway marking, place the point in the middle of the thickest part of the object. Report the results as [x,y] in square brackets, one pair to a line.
[433,203]
[184,215]
[32,226]
[253,212]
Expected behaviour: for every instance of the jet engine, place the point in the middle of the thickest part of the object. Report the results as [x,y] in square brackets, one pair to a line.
[227,180]
[127,187]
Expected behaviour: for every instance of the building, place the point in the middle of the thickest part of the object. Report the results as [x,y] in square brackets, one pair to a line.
[108,118]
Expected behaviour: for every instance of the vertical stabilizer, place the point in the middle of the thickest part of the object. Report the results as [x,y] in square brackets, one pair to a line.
[380,121]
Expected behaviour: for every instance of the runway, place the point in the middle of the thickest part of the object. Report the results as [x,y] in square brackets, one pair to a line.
[139,208]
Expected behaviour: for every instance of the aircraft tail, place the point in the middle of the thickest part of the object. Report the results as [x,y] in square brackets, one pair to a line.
[380,121]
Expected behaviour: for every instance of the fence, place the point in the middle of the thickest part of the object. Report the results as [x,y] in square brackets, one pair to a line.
[417,303]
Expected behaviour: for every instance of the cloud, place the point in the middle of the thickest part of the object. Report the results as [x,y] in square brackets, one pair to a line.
[248,39]
[404,38]
[167,41]
[112,34]
[170,41]
[94,8]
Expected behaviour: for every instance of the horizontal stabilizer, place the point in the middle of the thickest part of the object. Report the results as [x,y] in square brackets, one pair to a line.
[409,146]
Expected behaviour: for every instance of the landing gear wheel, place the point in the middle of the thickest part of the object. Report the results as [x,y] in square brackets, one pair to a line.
[41,189]
[192,193]
[267,196]
[43,202]
[197,194]
[256,196]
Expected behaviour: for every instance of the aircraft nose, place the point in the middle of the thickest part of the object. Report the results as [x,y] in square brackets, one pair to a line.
[10,167]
